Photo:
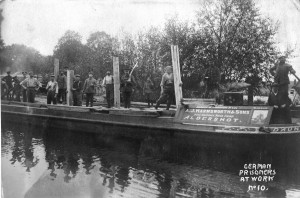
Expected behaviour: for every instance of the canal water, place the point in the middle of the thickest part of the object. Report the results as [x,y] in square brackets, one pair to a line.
[44,162]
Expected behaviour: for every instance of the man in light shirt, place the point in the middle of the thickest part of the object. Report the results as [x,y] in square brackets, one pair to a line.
[31,85]
[167,88]
[108,83]
[52,90]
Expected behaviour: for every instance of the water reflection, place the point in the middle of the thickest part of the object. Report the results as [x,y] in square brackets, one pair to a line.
[69,164]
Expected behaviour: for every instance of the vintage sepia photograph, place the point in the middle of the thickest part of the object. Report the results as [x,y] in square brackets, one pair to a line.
[150,98]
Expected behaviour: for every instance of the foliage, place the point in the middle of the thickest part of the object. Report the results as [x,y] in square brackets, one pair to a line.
[238,40]
[228,34]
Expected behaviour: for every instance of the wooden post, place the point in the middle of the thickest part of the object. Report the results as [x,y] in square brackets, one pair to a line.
[56,68]
[177,75]
[70,77]
[116,82]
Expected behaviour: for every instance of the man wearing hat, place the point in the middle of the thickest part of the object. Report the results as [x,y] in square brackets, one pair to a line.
[8,81]
[89,89]
[30,85]
[281,72]
[77,91]
[127,83]
[52,90]
[281,113]
[108,83]
[62,90]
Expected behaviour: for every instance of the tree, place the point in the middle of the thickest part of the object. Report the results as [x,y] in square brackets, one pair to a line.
[184,35]
[69,49]
[101,45]
[238,40]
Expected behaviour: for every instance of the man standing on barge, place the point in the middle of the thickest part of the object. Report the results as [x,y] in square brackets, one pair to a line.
[77,91]
[108,83]
[62,91]
[127,84]
[89,89]
[52,90]
[281,76]
[167,88]
[31,85]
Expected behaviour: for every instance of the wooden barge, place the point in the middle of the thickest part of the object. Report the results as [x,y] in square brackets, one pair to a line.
[187,120]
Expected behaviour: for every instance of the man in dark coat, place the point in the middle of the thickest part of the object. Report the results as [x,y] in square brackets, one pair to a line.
[62,90]
[281,75]
[77,91]
[281,113]
[127,83]
[89,88]
[9,83]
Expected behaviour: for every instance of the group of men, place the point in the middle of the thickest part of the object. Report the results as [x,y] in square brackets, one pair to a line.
[57,89]
[127,85]
[14,87]
[89,89]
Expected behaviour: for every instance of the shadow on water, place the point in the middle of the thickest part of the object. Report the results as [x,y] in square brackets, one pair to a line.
[79,164]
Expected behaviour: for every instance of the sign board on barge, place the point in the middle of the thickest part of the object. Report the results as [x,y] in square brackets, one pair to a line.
[226,115]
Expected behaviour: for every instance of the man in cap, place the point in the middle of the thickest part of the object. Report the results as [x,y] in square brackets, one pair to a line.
[167,88]
[108,83]
[89,89]
[281,72]
[77,91]
[127,83]
[24,94]
[31,85]
[52,90]
[8,81]
[62,87]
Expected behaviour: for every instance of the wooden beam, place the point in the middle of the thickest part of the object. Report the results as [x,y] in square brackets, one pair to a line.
[177,75]
[116,82]
[56,68]
[70,77]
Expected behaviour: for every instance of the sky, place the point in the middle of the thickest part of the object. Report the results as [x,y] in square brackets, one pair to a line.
[40,23]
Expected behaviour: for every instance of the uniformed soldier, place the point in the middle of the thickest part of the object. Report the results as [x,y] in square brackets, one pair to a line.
[77,91]
[52,90]
[31,85]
